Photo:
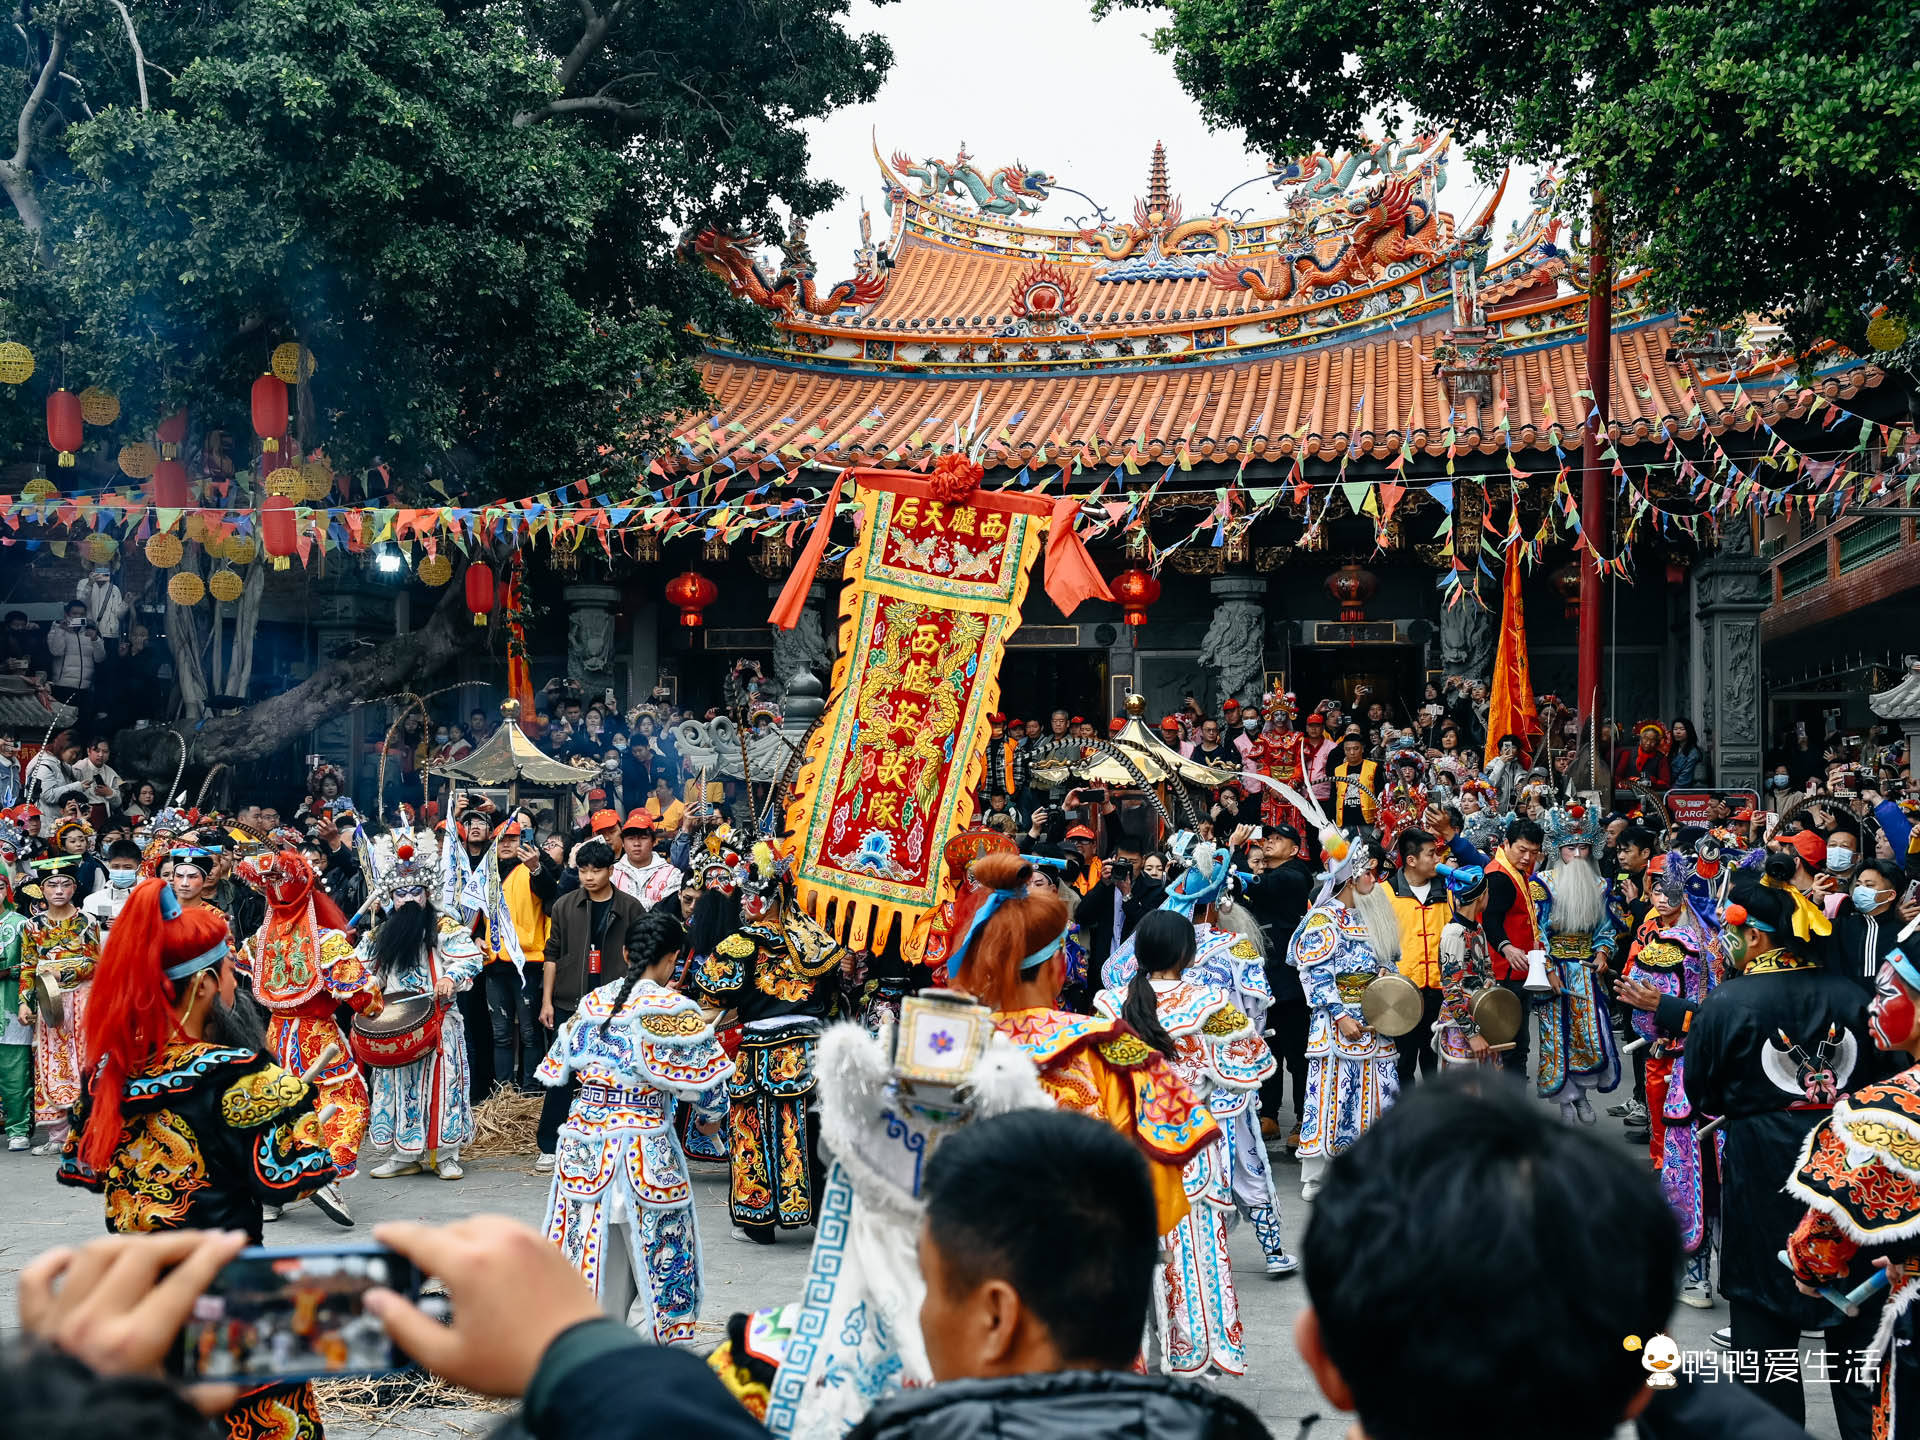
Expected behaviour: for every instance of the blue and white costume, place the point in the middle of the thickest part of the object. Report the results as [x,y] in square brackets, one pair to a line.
[1350,1083]
[1222,1057]
[619,1166]
[1231,964]
[427,1105]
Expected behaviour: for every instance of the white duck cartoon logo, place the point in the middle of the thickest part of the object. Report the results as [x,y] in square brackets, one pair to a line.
[1659,1357]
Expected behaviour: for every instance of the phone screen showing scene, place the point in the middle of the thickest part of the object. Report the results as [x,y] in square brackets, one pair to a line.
[296,1314]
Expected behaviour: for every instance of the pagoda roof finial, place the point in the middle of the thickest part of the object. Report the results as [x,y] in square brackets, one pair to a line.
[1159,196]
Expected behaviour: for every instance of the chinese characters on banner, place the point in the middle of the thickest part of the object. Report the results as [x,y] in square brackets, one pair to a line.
[933,590]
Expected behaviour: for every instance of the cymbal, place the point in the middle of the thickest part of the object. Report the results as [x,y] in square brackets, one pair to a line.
[1499,1014]
[1391,1004]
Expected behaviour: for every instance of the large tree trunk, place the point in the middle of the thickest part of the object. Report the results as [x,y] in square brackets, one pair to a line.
[260,730]
[246,623]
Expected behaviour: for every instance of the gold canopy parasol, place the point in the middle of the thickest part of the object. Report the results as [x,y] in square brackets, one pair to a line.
[509,758]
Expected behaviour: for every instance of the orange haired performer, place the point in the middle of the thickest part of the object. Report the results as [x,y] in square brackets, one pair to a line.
[302,964]
[1008,953]
[185,1125]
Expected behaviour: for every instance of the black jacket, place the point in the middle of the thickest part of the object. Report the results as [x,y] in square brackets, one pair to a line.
[1063,1405]
[569,938]
[1861,942]
[1095,914]
[1279,899]
[1737,1067]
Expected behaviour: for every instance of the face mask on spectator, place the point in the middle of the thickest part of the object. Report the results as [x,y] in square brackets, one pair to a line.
[1839,857]
[1865,897]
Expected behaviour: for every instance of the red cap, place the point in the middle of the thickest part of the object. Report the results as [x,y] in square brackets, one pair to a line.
[638,820]
[1812,848]
[512,827]
[604,820]
[1079,832]
[1116,725]
[1079,720]
[1169,723]
[996,718]
[1230,704]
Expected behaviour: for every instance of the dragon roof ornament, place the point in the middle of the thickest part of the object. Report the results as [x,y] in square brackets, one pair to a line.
[1011,190]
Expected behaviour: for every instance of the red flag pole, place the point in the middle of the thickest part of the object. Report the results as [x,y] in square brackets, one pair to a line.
[1595,512]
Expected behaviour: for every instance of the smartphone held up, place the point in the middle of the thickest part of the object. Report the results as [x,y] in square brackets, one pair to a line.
[297,1314]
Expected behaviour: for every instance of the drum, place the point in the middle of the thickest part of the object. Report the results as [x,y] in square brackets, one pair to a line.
[406,1030]
[1391,1004]
[50,1000]
[1498,1014]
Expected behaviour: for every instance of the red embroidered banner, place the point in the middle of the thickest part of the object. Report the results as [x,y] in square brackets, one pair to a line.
[933,590]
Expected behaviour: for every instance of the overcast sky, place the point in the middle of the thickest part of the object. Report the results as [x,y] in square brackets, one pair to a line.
[1041,83]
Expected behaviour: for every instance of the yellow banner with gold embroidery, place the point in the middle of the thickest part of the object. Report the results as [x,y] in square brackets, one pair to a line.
[933,591]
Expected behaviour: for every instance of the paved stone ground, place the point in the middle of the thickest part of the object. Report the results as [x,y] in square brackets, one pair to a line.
[739,1275]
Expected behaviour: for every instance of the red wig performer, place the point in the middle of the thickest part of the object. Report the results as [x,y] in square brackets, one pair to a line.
[181,1127]
[1008,953]
[302,965]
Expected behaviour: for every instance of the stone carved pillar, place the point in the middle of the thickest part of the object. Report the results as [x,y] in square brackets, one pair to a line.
[1734,589]
[1235,648]
[590,627]
[805,647]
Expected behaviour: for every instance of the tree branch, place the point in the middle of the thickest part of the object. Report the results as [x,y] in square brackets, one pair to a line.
[593,35]
[23,149]
[139,56]
[605,104]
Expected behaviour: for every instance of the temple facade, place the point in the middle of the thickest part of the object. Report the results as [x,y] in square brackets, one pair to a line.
[1317,430]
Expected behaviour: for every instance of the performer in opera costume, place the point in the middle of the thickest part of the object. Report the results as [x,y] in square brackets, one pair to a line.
[301,965]
[1466,968]
[186,1125]
[1772,1049]
[1352,1070]
[716,915]
[1213,1047]
[1229,958]
[1577,1054]
[58,951]
[621,1207]
[422,1111]
[1859,1177]
[1279,752]
[810,1370]
[1669,972]
[1008,955]
[781,974]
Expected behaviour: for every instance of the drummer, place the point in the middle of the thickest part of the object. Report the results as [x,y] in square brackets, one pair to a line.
[1466,969]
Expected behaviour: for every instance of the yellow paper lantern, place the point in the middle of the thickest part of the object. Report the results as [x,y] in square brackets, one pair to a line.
[100,549]
[226,585]
[186,588]
[284,481]
[38,488]
[1886,332]
[316,484]
[436,570]
[16,363]
[138,459]
[99,407]
[292,364]
[164,551]
[240,549]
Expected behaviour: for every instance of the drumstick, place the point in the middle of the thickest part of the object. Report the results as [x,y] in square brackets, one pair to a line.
[325,1058]
[1708,1128]
[323,1116]
[1508,1046]
[1633,1045]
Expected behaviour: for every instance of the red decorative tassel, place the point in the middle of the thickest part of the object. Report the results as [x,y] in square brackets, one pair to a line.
[1071,574]
[793,599]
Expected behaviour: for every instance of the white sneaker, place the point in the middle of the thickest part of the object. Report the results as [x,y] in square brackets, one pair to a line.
[1723,1337]
[332,1204]
[1636,1113]
[19,1142]
[1625,1107]
[392,1166]
[48,1147]
[1309,1190]
[544,1164]
[1583,1111]
[1282,1264]
[1566,1112]
[1699,1296]
[450,1170]
[269,1212]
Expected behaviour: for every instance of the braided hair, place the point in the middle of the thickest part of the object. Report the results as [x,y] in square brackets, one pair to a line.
[655,935]
[1164,942]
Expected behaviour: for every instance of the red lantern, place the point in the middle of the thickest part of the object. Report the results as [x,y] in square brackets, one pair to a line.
[172,434]
[1352,587]
[480,591]
[691,592]
[279,535]
[1135,590]
[170,488]
[269,411]
[64,427]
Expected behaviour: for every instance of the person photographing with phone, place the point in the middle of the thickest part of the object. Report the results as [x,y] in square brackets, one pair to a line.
[186,1124]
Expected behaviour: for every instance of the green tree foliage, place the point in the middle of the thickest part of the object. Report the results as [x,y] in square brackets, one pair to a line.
[1760,155]
[467,211]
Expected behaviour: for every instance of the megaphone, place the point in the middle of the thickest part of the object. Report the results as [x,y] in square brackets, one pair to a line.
[1536,980]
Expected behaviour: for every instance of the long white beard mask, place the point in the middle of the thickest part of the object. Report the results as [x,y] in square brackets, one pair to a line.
[1579,897]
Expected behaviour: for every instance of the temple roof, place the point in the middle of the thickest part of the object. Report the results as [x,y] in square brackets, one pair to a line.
[1337,327]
